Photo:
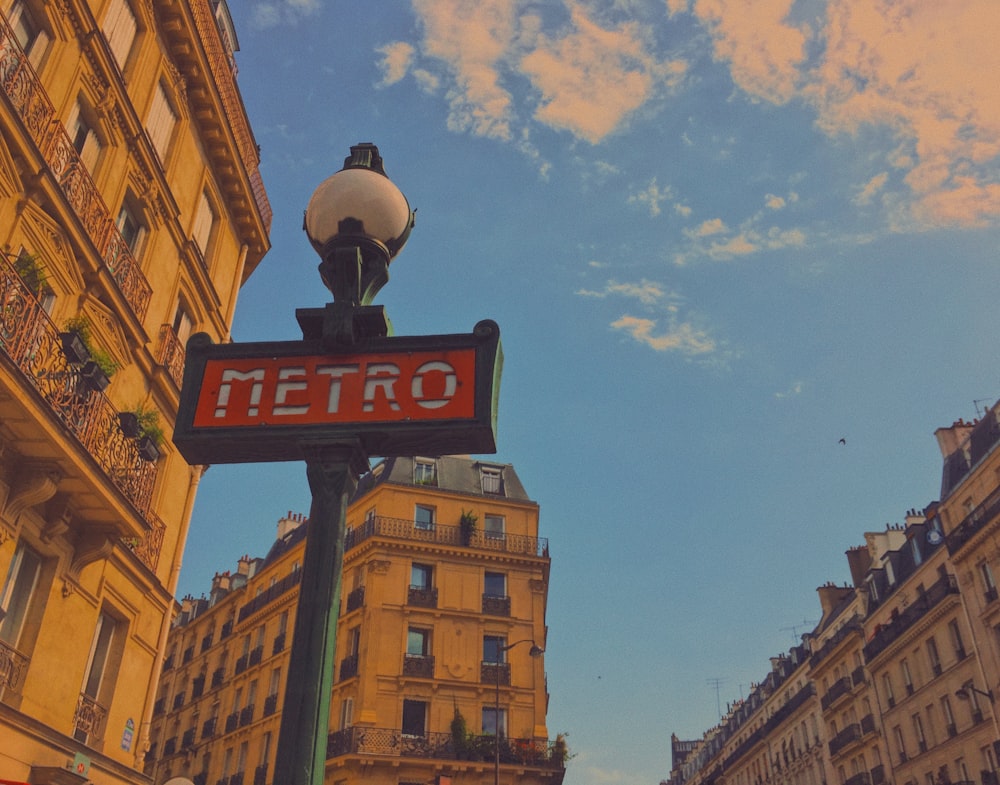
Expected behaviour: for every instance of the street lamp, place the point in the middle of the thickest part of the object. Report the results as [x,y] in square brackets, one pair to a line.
[535,651]
[966,691]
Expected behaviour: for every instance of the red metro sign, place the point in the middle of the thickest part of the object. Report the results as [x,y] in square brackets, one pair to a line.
[262,401]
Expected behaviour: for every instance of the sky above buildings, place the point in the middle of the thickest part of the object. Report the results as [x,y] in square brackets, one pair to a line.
[719,237]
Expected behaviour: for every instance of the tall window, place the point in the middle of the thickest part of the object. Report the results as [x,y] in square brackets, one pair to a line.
[420,576]
[424,516]
[904,665]
[493,525]
[346,713]
[493,648]
[424,473]
[84,137]
[949,718]
[204,221]
[131,228]
[100,672]
[29,34]
[414,718]
[119,29]
[956,639]
[495,584]
[160,123]
[890,697]
[19,587]
[989,585]
[491,478]
[933,656]
[494,721]
[918,731]
[418,642]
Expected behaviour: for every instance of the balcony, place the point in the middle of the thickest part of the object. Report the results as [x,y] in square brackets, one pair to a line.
[260,775]
[878,775]
[89,717]
[218,675]
[256,655]
[13,666]
[270,704]
[279,645]
[494,673]
[241,664]
[939,591]
[197,687]
[188,655]
[867,724]
[21,87]
[441,746]
[349,667]
[848,735]
[187,740]
[178,700]
[410,531]
[840,688]
[421,665]
[861,778]
[496,606]
[267,596]
[356,599]
[208,729]
[232,722]
[246,714]
[422,597]
[987,510]
[227,629]
[170,746]
[31,343]
[170,355]
[206,643]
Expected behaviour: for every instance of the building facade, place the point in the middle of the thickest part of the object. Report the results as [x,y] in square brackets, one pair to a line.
[906,658]
[131,211]
[440,642]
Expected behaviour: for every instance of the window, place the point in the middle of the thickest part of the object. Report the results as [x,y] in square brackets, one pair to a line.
[424,473]
[915,549]
[22,580]
[949,718]
[275,681]
[83,136]
[420,576]
[918,731]
[353,641]
[160,126]
[370,516]
[900,745]
[346,713]
[907,678]
[494,721]
[495,584]
[418,642]
[493,648]
[119,29]
[493,526]
[989,585]
[182,324]
[204,222]
[933,656]
[131,228]
[102,664]
[414,718]
[32,38]
[491,478]
[956,639]
[424,517]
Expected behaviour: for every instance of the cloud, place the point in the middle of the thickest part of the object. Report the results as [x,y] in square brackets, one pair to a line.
[678,337]
[264,16]
[774,202]
[871,188]
[740,245]
[708,228]
[651,197]
[591,78]
[925,72]
[795,389]
[646,292]
[396,59]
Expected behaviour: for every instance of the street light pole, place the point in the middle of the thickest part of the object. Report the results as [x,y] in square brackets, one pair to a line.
[535,651]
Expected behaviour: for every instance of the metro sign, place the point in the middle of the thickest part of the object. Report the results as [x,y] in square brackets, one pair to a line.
[252,402]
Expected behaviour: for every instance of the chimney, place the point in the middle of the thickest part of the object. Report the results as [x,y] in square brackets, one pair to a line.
[830,595]
[952,438]
[860,561]
[289,523]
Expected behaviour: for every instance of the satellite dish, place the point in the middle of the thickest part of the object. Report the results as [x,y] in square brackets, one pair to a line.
[178,781]
[934,537]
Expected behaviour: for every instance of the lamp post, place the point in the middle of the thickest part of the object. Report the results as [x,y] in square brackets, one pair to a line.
[535,651]
[357,220]
[967,690]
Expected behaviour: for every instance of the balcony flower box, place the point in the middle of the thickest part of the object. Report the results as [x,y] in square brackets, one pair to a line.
[148,450]
[129,423]
[74,347]
[95,376]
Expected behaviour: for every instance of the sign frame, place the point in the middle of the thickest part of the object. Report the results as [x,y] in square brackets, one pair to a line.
[256,443]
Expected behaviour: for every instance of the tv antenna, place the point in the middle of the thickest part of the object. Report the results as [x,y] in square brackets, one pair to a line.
[717,683]
[794,629]
[978,401]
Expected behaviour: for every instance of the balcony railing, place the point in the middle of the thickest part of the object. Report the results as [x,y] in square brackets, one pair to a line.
[13,666]
[848,735]
[491,672]
[89,717]
[861,778]
[349,667]
[269,594]
[939,591]
[442,746]
[418,665]
[279,643]
[21,86]
[208,729]
[402,529]
[197,687]
[260,774]
[246,715]
[270,704]
[878,775]
[218,675]
[30,340]
[356,599]
[496,606]
[983,513]
[256,655]
[422,596]
[840,688]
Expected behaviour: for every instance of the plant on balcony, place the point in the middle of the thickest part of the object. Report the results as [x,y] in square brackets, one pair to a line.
[31,272]
[77,332]
[467,526]
[143,425]
[560,750]
[459,735]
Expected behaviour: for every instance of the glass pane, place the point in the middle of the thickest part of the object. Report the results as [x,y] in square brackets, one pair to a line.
[424,517]
[22,577]
[414,713]
[495,584]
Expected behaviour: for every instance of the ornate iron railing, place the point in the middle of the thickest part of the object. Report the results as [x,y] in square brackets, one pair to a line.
[940,590]
[421,665]
[395,743]
[30,340]
[496,606]
[402,529]
[21,86]
[13,666]
[171,354]
[89,717]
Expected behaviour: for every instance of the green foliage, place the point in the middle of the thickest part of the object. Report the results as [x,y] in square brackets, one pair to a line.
[149,423]
[80,325]
[31,272]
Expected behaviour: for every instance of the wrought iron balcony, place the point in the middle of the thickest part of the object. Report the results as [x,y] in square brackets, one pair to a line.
[878,775]
[208,729]
[178,700]
[861,778]
[89,717]
[496,606]
[421,665]
[13,666]
[246,714]
[884,637]
[349,667]
[840,688]
[848,735]
[986,511]
[422,596]
[188,655]
[23,89]
[270,704]
[218,675]
[266,597]
[256,655]
[206,643]
[260,774]
[442,746]
[197,687]
[279,643]
[241,664]
[491,672]
[187,740]
[402,529]
[232,722]
[356,599]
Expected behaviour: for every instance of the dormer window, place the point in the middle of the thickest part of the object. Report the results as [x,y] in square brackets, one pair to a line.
[424,472]
[491,478]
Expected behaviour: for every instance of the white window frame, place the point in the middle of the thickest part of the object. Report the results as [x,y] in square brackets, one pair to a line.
[19,592]
[161,121]
[120,28]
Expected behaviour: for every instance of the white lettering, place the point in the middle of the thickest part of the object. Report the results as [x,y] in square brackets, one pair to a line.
[450,384]
[229,376]
[336,373]
[285,386]
[384,375]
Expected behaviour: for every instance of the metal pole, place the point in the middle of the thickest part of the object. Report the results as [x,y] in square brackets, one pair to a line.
[333,471]
[496,724]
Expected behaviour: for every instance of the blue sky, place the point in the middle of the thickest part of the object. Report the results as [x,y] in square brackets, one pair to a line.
[718,237]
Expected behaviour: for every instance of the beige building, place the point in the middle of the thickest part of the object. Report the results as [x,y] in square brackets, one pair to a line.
[442,623]
[906,659]
[131,210]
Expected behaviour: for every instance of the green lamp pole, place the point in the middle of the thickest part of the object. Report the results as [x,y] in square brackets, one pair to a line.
[535,651]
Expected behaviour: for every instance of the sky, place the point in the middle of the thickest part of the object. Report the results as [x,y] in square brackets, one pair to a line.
[719,237]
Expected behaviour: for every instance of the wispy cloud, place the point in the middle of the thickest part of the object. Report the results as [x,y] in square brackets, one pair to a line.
[395,63]
[680,337]
[264,16]
[646,292]
[652,196]
[794,389]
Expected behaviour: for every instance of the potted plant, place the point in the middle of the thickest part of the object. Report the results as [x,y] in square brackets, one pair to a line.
[75,339]
[560,751]
[459,734]
[467,526]
[150,432]
[31,272]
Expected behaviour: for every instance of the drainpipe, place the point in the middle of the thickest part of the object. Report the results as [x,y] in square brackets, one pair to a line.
[161,644]
[240,265]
